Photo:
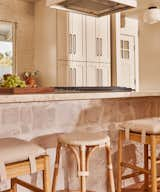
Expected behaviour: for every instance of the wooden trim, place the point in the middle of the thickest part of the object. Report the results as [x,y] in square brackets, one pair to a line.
[134,167]
[56,167]
[110,177]
[119,167]
[21,168]
[135,137]
[13,185]
[146,166]
[27,185]
[46,175]
[82,167]
[131,175]
[153,165]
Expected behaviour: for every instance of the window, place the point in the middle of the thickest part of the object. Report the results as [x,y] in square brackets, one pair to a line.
[125,49]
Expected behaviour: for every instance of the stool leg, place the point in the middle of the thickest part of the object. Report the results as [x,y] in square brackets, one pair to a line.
[153,164]
[119,167]
[46,175]
[56,167]
[146,176]
[110,176]
[83,168]
[13,185]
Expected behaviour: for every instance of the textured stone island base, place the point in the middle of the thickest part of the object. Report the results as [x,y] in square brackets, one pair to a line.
[32,119]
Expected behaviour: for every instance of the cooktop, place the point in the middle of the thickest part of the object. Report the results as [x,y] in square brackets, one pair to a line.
[94,89]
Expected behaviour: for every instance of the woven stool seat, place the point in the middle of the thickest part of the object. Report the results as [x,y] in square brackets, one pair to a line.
[20,158]
[14,150]
[83,145]
[147,132]
[83,138]
[147,125]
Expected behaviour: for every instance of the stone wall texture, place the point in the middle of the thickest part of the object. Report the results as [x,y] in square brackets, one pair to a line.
[30,120]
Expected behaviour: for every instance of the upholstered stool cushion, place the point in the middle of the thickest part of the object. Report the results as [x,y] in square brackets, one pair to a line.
[148,125]
[84,138]
[47,141]
[14,150]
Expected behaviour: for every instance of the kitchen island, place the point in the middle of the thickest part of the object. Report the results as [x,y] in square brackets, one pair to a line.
[33,115]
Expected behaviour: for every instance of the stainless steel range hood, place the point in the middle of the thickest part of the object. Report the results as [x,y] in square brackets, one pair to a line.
[93,7]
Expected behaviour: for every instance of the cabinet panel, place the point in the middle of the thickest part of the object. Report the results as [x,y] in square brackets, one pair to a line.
[92,77]
[105,70]
[79,40]
[98,75]
[103,33]
[71,73]
[64,39]
[98,39]
[71,36]
[92,41]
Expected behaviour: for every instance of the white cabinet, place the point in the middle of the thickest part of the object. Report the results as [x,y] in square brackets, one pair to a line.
[98,39]
[71,73]
[83,50]
[98,74]
[71,36]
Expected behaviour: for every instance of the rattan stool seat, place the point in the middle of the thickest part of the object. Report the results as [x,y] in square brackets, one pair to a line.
[83,138]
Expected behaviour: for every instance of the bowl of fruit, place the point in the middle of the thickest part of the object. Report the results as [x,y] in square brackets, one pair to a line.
[13,84]
[12,81]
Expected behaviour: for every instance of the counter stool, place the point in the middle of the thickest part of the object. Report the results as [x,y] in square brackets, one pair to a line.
[83,145]
[18,158]
[147,132]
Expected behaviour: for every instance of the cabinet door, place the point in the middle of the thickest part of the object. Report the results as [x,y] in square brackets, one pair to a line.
[71,73]
[64,36]
[104,75]
[92,40]
[103,35]
[76,74]
[78,35]
[126,67]
[62,73]
[92,74]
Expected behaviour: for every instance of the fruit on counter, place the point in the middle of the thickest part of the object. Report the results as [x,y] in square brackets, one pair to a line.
[12,81]
[31,78]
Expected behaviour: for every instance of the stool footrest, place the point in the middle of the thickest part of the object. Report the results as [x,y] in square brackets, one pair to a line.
[134,167]
[27,185]
[157,160]
[72,191]
[131,175]
[158,180]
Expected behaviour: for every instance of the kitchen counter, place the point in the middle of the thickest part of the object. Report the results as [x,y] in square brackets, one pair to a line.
[33,115]
[64,96]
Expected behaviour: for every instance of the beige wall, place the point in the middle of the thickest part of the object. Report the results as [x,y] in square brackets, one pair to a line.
[22,13]
[45,43]
[149,42]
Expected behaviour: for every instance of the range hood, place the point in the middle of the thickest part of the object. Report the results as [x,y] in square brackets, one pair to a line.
[93,7]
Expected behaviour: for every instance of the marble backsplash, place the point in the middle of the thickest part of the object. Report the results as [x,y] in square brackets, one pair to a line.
[30,120]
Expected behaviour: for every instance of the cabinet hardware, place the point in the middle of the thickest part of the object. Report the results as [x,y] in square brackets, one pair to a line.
[97,46]
[70,44]
[74,74]
[101,77]
[101,49]
[74,44]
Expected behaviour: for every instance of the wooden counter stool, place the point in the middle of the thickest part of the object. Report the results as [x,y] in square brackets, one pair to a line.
[147,132]
[83,145]
[18,158]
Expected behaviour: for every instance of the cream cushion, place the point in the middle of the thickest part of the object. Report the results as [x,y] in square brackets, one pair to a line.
[47,141]
[84,138]
[15,150]
[147,125]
